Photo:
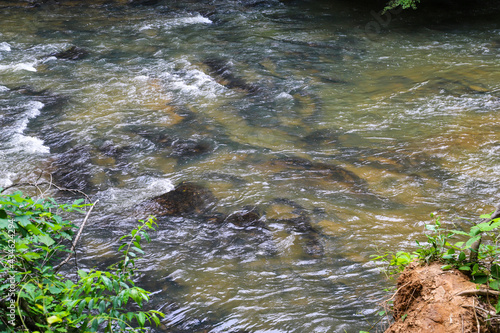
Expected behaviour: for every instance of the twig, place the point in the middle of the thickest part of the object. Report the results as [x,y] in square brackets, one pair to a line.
[56,269]
[478,292]
[51,184]
[475,315]
[485,312]
[395,293]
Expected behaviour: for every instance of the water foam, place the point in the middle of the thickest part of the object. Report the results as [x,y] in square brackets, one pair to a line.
[5,47]
[23,66]
[177,22]
[21,142]
[29,144]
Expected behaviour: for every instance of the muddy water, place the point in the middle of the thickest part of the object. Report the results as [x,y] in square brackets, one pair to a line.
[342,141]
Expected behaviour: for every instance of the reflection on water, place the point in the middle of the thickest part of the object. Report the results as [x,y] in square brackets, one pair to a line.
[317,143]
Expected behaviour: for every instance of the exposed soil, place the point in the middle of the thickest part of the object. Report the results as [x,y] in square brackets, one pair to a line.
[429,299]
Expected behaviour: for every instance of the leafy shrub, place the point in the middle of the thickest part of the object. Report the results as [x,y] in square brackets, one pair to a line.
[36,298]
[405,4]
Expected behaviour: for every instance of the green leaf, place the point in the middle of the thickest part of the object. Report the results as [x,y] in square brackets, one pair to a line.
[54,290]
[45,239]
[107,283]
[102,306]
[138,250]
[488,226]
[134,294]
[494,284]
[497,307]
[480,279]
[446,267]
[141,318]
[458,232]
[495,271]
[34,229]
[155,319]
[464,268]
[461,256]
[471,241]
[23,220]
[122,323]
[53,319]
[4,223]
[30,256]
[95,325]
[81,306]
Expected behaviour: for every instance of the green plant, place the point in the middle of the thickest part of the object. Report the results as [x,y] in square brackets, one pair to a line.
[476,253]
[33,238]
[405,4]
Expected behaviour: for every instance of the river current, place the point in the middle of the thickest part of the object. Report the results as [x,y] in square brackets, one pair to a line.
[325,113]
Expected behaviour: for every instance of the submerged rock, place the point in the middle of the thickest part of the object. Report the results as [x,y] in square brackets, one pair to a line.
[323,136]
[296,220]
[188,148]
[177,147]
[117,152]
[73,53]
[160,140]
[186,199]
[225,76]
[316,170]
[248,217]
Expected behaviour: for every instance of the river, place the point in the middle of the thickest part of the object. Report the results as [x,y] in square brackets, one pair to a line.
[357,125]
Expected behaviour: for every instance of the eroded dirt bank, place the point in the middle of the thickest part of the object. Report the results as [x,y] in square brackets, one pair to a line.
[429,299]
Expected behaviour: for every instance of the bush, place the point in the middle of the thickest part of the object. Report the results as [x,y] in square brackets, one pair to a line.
[36,298]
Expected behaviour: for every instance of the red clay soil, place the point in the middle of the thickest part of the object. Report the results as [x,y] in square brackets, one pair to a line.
[427,300]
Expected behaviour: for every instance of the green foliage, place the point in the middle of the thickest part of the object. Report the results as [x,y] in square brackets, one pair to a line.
[405,4]
[442,246]
[38,299]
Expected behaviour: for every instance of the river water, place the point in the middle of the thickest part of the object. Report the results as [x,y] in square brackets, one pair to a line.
[313,111]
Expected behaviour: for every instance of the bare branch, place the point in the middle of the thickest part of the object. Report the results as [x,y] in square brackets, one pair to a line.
[50,184]
[75,241]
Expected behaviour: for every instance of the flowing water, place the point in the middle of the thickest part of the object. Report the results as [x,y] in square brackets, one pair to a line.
[275,106]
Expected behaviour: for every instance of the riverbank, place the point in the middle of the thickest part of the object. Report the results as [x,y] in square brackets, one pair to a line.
[429,299]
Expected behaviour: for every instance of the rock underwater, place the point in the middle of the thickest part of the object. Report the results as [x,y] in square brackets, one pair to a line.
[73,53]
[184,200]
